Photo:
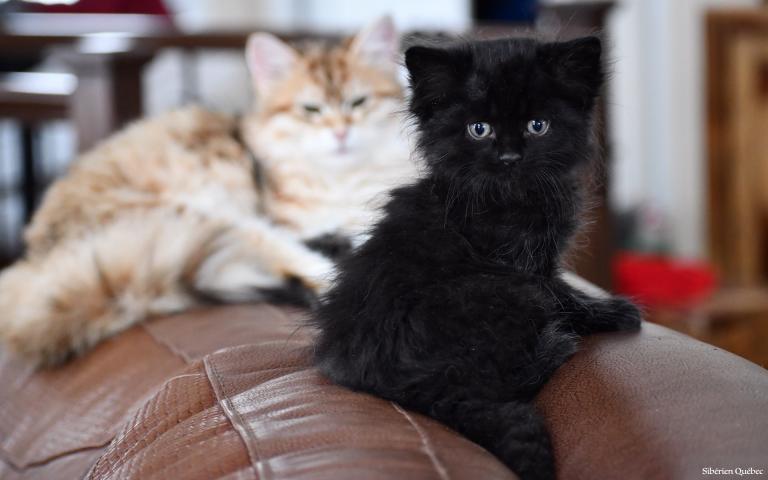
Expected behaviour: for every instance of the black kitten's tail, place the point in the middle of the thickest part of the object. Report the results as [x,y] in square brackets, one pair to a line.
[293,293]
[512,431]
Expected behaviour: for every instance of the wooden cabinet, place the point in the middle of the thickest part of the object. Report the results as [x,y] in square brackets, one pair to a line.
[737,128]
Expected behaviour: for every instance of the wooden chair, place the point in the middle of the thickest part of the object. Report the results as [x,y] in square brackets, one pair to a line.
[31,98]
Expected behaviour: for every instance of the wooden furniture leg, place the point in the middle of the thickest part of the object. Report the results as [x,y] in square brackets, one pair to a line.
[109,93]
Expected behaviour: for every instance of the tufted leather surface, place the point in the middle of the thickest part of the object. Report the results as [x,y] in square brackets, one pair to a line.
[228,392]
[657,405]
[81,405]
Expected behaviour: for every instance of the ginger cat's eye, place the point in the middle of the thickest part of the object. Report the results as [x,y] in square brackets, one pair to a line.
[311,108]
[537,127]
[479,130]
[358,102]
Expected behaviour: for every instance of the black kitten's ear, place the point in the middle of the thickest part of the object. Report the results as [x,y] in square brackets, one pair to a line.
[425,62]
[577,64]
[434,73]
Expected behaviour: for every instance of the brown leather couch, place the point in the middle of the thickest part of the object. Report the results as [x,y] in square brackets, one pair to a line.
[228,392]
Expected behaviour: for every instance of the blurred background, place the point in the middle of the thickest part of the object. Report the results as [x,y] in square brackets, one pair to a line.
[681,218]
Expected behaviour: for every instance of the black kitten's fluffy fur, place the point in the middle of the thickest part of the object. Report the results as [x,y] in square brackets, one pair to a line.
[455,306]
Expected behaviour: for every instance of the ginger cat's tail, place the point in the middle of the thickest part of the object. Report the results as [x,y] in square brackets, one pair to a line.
[62,302]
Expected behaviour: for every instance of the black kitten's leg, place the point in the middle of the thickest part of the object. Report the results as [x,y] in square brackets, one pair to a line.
[514,432]
[588,315]
[556,344]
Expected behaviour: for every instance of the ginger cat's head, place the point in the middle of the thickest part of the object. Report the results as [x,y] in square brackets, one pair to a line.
[325,107]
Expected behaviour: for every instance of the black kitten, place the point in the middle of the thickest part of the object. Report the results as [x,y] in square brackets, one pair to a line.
[455,306]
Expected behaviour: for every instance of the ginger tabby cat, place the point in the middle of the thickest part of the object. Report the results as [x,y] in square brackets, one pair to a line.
[168,213]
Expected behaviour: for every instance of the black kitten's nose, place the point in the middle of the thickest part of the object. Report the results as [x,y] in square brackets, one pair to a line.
[510,157]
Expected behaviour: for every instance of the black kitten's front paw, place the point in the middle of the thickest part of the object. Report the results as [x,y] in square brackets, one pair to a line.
[615,314]
[625,315]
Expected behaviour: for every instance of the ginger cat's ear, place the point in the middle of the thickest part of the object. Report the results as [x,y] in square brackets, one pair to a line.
[377,44]
[269,59]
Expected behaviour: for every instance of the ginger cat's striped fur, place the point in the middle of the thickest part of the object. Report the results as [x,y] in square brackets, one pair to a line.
[168,212]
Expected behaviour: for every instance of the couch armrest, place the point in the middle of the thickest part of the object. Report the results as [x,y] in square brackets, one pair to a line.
[230,392]
[656,404]
[225,392]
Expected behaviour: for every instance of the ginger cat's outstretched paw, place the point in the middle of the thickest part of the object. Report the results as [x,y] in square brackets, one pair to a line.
[32,349]
[36,340]
[316,274]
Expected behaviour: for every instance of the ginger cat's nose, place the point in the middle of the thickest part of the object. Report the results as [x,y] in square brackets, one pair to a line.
[341,134]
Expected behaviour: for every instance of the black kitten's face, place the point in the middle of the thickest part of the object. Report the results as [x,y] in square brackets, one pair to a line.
[506,113]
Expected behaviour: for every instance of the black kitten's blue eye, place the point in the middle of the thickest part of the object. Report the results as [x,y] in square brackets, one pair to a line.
[479,130]
[537,127]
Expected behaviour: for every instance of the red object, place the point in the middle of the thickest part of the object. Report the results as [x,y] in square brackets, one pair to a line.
[657,281]
[149,7]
